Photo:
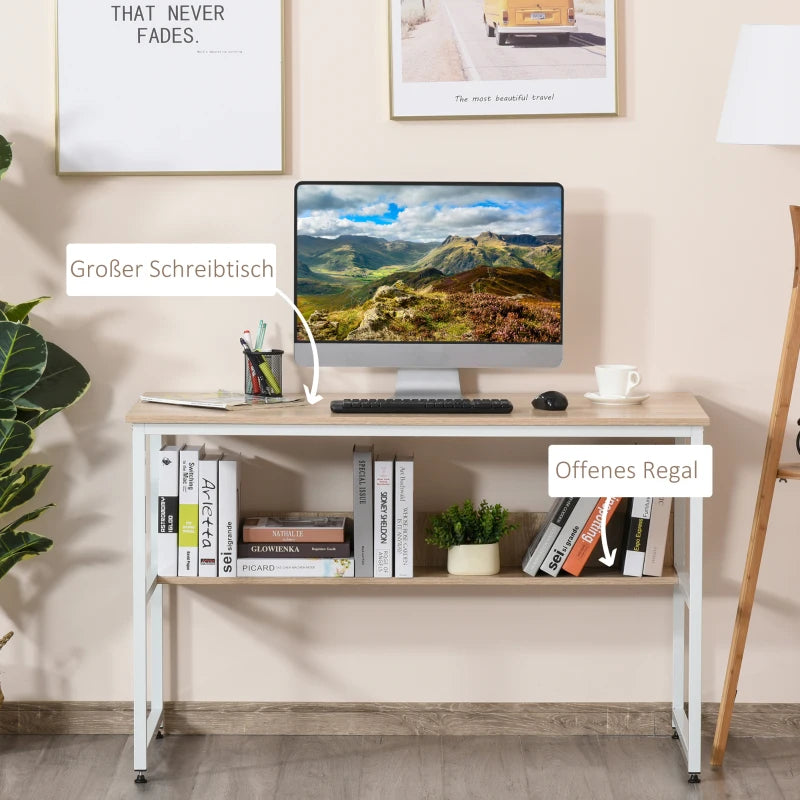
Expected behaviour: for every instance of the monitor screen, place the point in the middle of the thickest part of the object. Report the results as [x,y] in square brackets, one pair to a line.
[454,266]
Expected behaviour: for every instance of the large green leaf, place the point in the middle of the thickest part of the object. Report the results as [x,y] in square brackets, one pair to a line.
[7,409]
[23,356]
[63,381]
[17,488]
[12,526]
[16,439]
[17,545]
[5,155]
[19,312]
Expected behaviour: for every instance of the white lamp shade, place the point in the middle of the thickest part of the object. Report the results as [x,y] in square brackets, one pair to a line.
[762,105]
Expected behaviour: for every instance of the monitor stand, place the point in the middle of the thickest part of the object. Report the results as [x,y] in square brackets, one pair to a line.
[428,383]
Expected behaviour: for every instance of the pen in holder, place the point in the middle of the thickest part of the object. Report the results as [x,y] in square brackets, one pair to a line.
[262,373]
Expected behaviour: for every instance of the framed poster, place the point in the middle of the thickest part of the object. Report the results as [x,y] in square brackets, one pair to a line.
[170,87]
[502,58]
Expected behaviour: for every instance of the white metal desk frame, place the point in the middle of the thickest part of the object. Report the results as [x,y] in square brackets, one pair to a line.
[148,593]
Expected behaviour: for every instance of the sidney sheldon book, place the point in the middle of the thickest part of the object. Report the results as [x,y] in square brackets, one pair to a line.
[291,528]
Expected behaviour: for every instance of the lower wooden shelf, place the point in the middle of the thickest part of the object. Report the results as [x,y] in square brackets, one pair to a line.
[437,576]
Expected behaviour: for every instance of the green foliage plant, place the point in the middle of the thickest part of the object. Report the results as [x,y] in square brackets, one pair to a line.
[466,524]
[5,155]
[37,380]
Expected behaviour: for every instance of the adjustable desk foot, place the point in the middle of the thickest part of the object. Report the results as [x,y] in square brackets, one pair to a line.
[140,778]
[694,777]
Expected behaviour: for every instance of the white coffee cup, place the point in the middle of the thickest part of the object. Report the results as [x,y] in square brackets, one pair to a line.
[616,380]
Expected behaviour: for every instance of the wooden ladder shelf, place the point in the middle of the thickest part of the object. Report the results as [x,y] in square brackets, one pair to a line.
[771,472]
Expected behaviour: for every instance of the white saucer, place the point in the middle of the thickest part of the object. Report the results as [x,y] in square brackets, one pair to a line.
[611,400]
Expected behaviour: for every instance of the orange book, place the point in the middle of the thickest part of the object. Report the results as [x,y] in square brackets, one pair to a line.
[589,537]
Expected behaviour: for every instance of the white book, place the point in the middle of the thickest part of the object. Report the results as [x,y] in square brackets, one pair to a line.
[657,537]
[295,568]
[383,525]
[189,510]
[568,535]
[404,517]
[228,517]
[209,516]
[168,481]
[363,513]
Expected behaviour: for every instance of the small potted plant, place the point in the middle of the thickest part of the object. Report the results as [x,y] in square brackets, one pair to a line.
[471,536]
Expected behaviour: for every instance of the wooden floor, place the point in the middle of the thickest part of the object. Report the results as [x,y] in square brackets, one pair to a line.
[395,767]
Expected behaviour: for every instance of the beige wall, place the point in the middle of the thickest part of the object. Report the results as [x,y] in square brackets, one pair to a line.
[678,258]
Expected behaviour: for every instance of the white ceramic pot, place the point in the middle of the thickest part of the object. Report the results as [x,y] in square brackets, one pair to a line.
[474,559]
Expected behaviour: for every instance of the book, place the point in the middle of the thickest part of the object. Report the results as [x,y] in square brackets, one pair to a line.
[295,550]
[547,534]
[208,516]
[189,510]
[404,517]
[555,558]
[295,568]
[228,519]
[221,399]
[636,539]
[657,537]
[590,536]
[293,528]
[363,511]
[383,523]
[168,482]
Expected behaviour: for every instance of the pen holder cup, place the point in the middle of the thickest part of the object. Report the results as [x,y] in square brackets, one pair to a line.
[262,373]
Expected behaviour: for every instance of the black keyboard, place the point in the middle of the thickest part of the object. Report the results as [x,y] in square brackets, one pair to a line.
[405,405]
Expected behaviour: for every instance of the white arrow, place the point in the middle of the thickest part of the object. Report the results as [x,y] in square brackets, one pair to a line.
[311,394]
[607,558]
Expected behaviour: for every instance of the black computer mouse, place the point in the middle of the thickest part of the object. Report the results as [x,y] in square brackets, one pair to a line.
[550,401]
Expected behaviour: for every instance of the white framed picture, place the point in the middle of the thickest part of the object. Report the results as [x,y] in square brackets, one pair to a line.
[502,58]
[170,87]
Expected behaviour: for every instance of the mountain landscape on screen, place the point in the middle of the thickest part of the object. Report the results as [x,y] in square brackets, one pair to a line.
[430,271]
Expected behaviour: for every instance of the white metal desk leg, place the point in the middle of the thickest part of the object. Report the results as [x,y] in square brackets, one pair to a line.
[156,600]
[139,603]
[695,602]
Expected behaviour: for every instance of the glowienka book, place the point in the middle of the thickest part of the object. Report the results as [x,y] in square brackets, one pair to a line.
[300,549]
[228,520]
[208,516]
[404,517]
[295,568]
[547,534]
[189,511]
[362,510]
[291,528]
[168,483]
[383,523]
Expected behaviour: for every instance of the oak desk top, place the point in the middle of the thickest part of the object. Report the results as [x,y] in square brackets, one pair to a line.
[660,409]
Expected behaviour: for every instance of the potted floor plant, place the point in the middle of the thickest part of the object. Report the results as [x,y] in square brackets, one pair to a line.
[37,380]
[471,537]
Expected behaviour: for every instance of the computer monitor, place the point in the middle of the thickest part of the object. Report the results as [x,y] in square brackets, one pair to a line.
[429,277]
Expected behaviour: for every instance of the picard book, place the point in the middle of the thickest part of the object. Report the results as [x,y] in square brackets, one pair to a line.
[168,483]
[295,568]
[292,528]
[362,511]
[383,525]
[228,521]
[404,517]
[189,511]
[208,516]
